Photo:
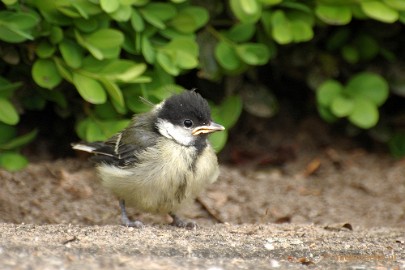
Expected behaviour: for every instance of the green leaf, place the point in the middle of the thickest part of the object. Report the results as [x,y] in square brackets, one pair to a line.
[45,73]
[93,65]
[136,21]
[184,23]
[106,111]
[186,60]
[326,114]
[395,4]
[302,16]
[17,26]
[270,2]
[267,23]
[133,100]
[7,88]
[71,12]
[171,33]
[121,109]
[230,110]
[109,6]
[370,86]
[364,113]
[45,49]
[157,13]
[56,35]
[179,53]
[19,141]
[90,89]
[226,56]
[218,140]
[111,53]
[328,91]
[147,50]
[105,38]
[13,35]
[93,130]
[63,71]
[71,53]
[253,53]
[241,32]
[87,26]
[12,161]
[247,11]
[111,127]
[136,105]
[358,13]
[123,70]
[379,11]
[342,106]
[114,91]
[334,14]
[201,15]
[9,2]
[301,31]
[281,28]
[297,6]
[164,11]
[165,91]
[160,78]
[189,19]
[86,9]
[7,133]
[105,43]
[153,20]
[167,62]
[182,44]
[123,14]
[96,52]
[81,128]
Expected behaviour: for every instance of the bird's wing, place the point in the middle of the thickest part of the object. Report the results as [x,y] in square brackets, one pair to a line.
[121,150]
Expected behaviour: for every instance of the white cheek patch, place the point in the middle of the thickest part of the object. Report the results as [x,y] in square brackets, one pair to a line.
[179,134]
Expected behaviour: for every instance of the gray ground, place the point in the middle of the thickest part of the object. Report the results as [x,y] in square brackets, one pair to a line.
[303,199]
[213,247]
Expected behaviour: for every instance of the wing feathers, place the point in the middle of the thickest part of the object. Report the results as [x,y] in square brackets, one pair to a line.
[122,149]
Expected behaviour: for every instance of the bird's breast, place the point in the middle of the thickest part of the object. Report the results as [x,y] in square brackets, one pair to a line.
[164,177]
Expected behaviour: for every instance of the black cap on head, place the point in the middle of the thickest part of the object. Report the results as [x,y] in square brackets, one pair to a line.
[187,105]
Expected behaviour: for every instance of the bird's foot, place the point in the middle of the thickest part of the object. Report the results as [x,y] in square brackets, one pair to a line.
[126,221]
[183,224]
[135,224]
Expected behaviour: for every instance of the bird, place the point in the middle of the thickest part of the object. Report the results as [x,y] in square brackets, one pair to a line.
[162,160]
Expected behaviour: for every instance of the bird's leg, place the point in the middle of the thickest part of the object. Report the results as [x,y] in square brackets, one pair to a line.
[181,223]
[125,220]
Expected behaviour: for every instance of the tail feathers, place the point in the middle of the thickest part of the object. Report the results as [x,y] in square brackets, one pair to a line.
[83,147]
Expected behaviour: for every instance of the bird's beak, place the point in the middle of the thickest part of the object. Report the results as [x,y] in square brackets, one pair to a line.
[212,127]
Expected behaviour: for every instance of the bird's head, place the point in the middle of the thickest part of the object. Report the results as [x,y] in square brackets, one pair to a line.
[186,119]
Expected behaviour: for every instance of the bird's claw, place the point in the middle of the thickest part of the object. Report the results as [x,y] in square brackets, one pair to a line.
[135,224]
[183,224]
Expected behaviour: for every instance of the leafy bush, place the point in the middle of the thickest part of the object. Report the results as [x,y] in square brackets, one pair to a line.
[111,52]
[358,100]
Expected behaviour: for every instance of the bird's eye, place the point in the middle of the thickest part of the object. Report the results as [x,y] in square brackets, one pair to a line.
[188,123]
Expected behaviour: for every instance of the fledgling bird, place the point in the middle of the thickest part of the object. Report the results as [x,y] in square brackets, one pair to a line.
[162,160]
